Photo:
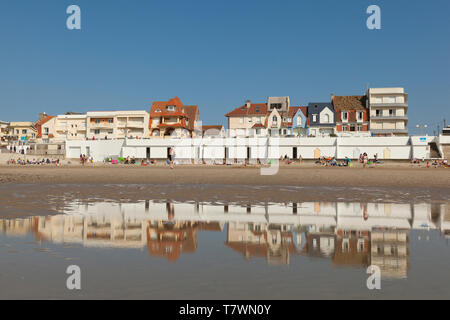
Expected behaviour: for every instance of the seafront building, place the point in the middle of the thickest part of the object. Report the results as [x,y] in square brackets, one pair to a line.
[174,119]
[276,118]
[213,131]
[22,131]
[322,119]
[3,131]
[117,124]
[352,115]
[388,111]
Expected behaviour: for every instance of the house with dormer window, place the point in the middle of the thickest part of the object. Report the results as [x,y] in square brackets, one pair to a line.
[174,119]
[274,118]
[352,115]
[322,119]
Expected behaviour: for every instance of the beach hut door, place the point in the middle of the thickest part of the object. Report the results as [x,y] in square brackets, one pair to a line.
[294,153]
[317,153]
[356,153]
[387,153]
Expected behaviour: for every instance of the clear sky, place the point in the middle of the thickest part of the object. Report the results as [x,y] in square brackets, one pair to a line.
[217,54]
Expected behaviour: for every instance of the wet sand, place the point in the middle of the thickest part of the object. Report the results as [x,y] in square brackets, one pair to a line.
[398,176]
[44,190]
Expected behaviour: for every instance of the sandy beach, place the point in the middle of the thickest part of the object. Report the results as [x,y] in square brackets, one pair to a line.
[389,175]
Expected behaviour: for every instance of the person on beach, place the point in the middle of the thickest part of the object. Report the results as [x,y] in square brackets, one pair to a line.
[171,156]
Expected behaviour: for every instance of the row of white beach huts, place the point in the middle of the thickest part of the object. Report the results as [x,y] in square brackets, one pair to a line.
[263,149]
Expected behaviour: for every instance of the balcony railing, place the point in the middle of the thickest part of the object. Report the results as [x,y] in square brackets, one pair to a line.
[381,117]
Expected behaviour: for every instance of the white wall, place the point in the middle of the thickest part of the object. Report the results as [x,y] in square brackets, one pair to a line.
[403,148]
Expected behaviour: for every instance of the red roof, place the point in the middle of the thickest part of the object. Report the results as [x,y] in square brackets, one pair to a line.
[38,125]
[258,125]
[255,109]
[190,113]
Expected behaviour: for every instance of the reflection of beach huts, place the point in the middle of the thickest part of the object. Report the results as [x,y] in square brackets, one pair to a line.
[390,252]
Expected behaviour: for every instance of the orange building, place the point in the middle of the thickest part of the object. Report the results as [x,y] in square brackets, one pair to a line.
[173,119]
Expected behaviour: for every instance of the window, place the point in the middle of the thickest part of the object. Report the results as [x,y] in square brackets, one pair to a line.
[275,106]
[45,130]
[344,128]
[299,120]
[344,115]
[378,113]
[241,120]
[274,119]
[24,131]
[97,121]
[314,117]
[327,118]
[96,131]
[391,112]
[360,128]
[110,121]
[352,127]
[170,108]
[289,119]
[360,115]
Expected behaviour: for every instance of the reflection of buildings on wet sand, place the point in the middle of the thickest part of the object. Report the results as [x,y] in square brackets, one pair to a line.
[273,241]
[349,234]
[390,252]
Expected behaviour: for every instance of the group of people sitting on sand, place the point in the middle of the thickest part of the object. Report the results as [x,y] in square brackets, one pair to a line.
[332,162]
[438,164]
[24,162]
[84,159]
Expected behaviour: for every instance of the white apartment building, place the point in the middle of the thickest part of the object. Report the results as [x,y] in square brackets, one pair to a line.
[388,111]
[117,124]
[63,127]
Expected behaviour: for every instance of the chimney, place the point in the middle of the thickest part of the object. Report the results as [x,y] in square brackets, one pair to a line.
[248,104]
[42,115]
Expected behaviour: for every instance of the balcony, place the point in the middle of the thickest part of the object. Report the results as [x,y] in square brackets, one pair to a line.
[389,117]
[102,125]
[388,105]
[387,131]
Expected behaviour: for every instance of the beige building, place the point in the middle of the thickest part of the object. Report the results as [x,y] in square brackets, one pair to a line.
[388,111]
[22,131]
[3,131]
[63,127]
[275,118]
[117,124]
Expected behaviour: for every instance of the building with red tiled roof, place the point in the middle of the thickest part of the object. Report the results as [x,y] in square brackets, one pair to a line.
[275,118]
[213,131]
[173,118]
[352,114]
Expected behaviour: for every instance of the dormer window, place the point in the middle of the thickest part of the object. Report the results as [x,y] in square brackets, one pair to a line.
[170,108]
[314,117]
[157,110]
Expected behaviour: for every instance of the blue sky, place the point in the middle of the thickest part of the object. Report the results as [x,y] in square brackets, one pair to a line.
[217,54]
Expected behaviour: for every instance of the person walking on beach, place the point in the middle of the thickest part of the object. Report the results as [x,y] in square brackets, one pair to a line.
[171,157]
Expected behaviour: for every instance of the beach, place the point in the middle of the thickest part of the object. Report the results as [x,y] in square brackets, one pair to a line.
[389,175]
